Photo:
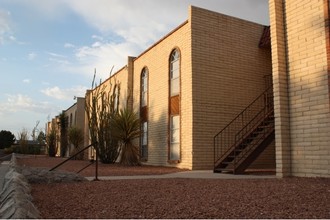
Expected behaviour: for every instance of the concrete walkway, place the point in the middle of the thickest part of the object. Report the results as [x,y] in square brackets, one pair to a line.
[4,166]
[195,174]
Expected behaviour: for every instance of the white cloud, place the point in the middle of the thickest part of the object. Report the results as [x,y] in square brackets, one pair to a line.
[68,45]
[96,37]
[5,29]
[102,56]
[26,81]
[65,94]
[19,102]
[56,55]
[58,58]
[32,56]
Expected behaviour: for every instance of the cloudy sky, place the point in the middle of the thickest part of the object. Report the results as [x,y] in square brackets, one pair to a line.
[49,48]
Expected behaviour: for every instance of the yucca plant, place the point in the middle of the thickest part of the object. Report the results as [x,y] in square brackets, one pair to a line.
[125,127]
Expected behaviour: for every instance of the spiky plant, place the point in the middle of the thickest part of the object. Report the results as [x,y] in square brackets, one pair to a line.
[101,104]
[126,127]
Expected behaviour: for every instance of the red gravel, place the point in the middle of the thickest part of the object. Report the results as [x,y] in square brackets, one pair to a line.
[183,198]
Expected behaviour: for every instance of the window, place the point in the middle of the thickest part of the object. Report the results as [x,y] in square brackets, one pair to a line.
[144,87]
[144,115]
[144,140]
[116,98]
[174,108]
[175,73]
[71,120]
[175,138]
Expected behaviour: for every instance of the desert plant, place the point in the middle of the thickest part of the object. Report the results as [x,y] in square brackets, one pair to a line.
[63,133]
[76,137]
[125,128]
[101,105]
[51,143]
[23,141]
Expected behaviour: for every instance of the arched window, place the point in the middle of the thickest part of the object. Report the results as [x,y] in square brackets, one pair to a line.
[175,73]
[144,114]
[174,114]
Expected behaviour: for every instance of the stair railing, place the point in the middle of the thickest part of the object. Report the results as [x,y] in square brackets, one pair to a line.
[258,122]
[226,139]
[94,145]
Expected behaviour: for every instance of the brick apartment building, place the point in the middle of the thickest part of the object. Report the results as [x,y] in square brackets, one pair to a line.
[227,94]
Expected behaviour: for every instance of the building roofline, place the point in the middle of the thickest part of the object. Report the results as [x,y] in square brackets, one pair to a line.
[145,51]
[162,39]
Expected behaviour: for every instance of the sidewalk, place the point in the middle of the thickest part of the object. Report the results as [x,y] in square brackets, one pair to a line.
[4,166]
[195,174]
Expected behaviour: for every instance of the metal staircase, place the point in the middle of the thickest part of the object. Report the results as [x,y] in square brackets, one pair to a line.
[246,136]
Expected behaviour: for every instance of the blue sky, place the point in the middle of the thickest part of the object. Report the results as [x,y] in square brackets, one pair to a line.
[49,48]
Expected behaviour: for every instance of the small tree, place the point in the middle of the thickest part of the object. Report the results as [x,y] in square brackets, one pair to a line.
[34,131]
[6,139]
[51,143]
[101,105]
[41,138]
[125,128]
[63,133]
[76,137]
[23,141]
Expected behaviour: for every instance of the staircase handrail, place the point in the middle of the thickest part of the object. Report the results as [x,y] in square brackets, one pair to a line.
[262,94]
[94,145]
[217,157]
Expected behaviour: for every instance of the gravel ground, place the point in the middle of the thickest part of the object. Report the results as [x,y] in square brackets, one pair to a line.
[179,198]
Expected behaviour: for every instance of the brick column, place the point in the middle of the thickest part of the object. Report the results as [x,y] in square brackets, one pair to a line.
[280,87]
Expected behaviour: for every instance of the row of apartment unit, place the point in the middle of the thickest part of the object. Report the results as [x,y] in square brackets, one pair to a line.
[197,90]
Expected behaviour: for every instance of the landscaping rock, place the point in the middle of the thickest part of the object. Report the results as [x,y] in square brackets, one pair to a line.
[15,197]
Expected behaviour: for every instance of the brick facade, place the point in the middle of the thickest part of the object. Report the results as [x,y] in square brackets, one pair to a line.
[222,70]
[228,72]
[217,82]
[301,87]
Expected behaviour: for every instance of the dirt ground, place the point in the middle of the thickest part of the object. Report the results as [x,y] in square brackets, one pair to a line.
[177,198]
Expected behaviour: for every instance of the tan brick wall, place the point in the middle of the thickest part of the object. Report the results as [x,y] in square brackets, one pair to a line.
[156,59]
[78,119]
[228,74]
[309,88]
[303,86]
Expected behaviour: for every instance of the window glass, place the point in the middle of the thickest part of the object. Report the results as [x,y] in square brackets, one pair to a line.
[144,87]
[175,87]
[175,73]
[116,98]
[175,152]
[175,138]
[144,133]
[175,69]
[144,140]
